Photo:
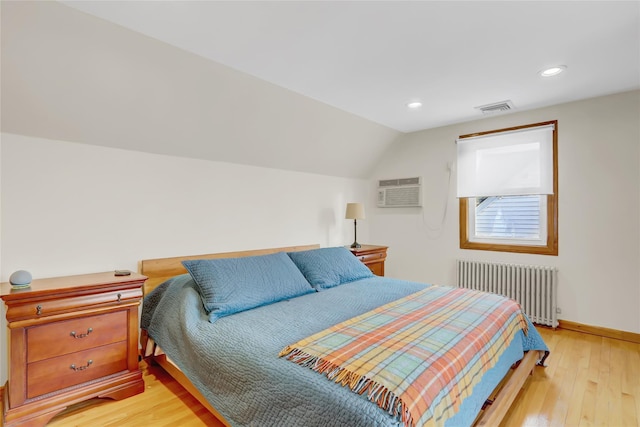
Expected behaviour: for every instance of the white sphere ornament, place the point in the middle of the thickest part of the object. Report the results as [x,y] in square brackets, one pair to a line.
[20,279]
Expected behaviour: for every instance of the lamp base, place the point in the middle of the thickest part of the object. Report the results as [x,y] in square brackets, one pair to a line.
[356,245]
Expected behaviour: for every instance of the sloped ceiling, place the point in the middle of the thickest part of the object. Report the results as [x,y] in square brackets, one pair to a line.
[70,76]
[320,87]
[372,57]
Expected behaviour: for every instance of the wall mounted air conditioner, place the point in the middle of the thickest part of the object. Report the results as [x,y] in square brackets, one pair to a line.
[400,192]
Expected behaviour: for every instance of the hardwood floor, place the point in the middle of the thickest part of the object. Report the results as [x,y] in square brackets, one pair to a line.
[163,403]
[589,381]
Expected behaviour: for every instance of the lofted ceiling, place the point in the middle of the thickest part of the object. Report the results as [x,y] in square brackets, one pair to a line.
[371,58]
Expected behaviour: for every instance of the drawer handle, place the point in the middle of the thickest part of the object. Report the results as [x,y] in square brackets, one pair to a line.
[73,333]
[38,310]
[81,368]
[119,297]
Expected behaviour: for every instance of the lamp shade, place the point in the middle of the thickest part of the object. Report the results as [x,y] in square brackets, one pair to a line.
[355,211]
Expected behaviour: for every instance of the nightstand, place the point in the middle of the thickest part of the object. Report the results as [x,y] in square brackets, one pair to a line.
[70,339]
[372,256]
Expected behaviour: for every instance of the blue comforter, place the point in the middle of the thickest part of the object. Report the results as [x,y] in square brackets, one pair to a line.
[234,361]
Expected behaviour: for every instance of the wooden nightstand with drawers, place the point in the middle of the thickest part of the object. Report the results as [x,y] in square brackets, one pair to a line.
[372,256]
[70,339]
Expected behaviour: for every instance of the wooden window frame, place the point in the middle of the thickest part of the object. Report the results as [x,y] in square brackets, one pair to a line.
[551,246]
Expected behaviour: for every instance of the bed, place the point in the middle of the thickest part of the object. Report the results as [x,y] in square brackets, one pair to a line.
[230,357]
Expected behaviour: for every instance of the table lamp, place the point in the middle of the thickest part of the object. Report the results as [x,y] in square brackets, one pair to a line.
[355,211]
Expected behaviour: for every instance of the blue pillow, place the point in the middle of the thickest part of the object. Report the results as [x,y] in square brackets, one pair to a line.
[328,267]
[231,285]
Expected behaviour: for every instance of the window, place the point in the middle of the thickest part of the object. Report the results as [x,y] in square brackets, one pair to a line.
[508,189]
[508,219]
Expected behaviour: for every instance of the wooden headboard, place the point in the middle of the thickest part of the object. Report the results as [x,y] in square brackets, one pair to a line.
[160,269]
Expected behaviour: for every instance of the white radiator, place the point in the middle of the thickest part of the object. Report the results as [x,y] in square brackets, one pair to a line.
[534,287]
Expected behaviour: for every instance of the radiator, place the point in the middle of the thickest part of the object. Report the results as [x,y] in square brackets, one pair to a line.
[534,287]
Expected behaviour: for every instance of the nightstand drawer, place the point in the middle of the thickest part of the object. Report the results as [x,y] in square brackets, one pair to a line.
[365,258]
[60,372]
[69,336]
[47,307]
[376,268]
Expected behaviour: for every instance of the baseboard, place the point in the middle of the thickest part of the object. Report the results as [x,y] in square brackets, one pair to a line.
[600,331]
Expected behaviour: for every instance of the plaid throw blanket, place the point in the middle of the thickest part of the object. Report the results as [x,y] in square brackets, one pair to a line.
[417,357]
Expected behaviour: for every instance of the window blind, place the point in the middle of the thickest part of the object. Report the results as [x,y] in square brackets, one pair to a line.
[511,163]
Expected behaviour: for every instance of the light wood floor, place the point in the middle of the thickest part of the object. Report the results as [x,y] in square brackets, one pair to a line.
[589,381]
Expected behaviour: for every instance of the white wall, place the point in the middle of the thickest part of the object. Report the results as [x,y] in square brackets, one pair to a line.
[599,208]
[73,208]
[70,208]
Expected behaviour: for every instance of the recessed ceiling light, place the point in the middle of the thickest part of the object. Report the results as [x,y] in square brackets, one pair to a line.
[553,71]
[414,105]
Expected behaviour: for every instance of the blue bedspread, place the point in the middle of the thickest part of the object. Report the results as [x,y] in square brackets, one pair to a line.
[234,361]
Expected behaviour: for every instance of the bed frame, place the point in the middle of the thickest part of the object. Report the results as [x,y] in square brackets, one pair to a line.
[161,269]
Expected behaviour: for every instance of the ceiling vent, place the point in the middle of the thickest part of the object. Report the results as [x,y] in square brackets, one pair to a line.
[496,107]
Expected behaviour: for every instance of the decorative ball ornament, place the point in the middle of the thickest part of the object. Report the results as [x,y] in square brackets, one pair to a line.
[20,279]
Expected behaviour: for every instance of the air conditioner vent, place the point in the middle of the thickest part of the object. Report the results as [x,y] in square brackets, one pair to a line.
[399,181]
[400,192]
[497,107]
